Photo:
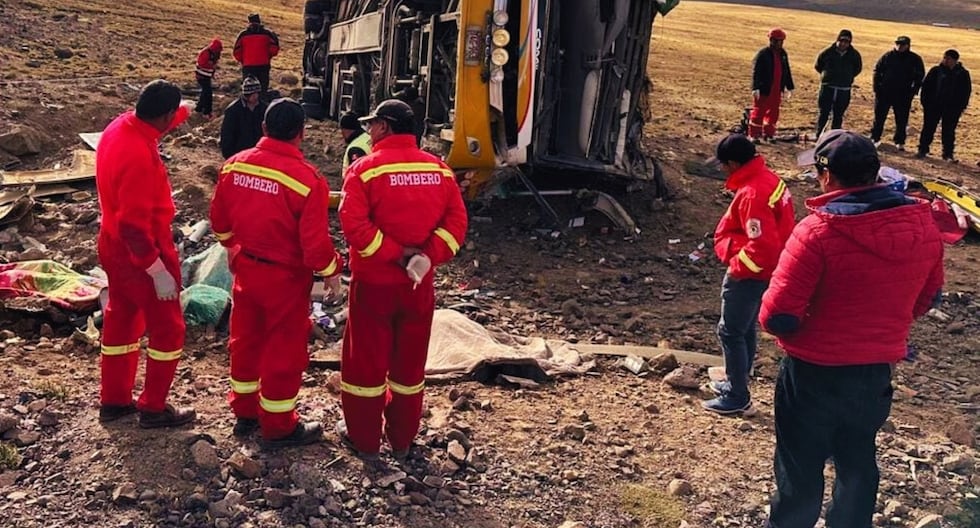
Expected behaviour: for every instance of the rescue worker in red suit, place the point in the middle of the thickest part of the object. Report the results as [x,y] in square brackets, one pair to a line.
[771,76]
[402,215]
[270,208]
[137,251]
[205,72]
[254,49]
[748,239]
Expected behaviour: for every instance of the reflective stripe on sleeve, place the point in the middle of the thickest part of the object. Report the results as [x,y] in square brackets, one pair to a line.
[371,174]
[744,258]
[374,246]
[160,355]
[777,194]
[406,390]
[269,174]
[244,387]
[329,270]
[449,239]
[119,350]
[223,236]
[363,392]
[277,406]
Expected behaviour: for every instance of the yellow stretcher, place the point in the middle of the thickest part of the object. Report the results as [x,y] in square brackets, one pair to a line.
[968,202]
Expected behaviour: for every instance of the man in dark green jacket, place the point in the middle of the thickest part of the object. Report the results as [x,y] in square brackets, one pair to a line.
[837,65]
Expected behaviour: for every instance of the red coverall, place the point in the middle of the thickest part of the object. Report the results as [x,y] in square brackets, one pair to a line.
[137,212]
[398,196]
[270,207]
[765,109]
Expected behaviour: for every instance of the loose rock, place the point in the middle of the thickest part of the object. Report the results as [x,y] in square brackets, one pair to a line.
[679,488]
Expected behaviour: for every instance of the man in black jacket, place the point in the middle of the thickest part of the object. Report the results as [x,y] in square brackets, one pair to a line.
[771,76]
[837,65]
[897,79]
[242,125]
[945,95]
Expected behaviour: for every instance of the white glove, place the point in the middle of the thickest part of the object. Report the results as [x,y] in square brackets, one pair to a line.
[755,94]
[163,281]
[332,287]
[787,94]
[417,268]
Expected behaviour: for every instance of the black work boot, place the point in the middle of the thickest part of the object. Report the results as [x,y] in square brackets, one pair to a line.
[111,413]
[245,427]
[170,416]
[305,433]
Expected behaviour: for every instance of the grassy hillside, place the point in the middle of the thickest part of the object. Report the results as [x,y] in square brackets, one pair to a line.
[701,65]
[959,13]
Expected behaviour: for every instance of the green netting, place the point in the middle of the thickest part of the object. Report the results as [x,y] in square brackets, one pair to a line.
[203,304]
[208,267]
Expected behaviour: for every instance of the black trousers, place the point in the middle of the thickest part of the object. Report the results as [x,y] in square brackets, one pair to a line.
[259,72]
[821,413]
[902,105]
[832,99]
[204,102]
[930,121]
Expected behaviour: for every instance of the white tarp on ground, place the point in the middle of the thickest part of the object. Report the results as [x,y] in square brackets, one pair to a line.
[461,348]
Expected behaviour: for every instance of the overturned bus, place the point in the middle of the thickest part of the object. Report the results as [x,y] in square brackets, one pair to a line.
[496,85]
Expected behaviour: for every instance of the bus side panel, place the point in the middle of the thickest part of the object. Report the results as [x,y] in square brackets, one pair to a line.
[472,145]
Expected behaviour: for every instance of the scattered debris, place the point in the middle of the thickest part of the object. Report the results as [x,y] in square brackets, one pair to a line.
[82,168]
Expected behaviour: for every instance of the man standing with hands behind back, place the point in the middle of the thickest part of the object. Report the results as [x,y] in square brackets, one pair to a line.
[402,214]
[254,49]
[136,249]
[270,209]
[837,65]
[945,96]
[897,78]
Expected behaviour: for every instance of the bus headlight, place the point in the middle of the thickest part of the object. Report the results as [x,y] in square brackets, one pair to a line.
[499,57]
[501,37]
[497,75]
[500,18]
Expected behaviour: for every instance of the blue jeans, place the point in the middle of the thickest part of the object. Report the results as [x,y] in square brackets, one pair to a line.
[740,303]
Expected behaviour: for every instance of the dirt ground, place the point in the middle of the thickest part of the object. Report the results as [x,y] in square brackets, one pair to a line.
[608,449]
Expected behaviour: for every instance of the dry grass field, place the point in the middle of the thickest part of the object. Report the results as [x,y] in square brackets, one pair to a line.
[701,65]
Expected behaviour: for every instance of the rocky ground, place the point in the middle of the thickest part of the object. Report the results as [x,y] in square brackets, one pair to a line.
[608,449]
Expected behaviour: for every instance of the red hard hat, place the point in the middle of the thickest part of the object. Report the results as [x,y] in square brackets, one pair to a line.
[777,33]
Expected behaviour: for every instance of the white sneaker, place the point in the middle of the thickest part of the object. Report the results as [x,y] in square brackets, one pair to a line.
[877,144]
[900,147]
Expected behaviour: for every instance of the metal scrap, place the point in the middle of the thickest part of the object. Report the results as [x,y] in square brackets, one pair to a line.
[82,168]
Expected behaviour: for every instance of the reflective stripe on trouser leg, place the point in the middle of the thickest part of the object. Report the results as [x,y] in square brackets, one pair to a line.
[245,344]
[122,328]
[368,344]
[279,299]
[406,376]
[772,117]
[165,326]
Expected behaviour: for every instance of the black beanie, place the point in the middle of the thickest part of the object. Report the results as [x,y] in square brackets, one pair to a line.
[845,33]
[953,54]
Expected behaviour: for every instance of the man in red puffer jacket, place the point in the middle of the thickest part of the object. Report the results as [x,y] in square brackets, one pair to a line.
[254,49]
[853,276]
[748,239]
